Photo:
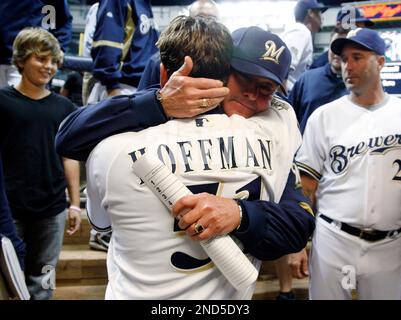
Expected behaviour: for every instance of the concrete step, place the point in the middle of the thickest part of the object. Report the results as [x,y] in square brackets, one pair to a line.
[78,262]
[265,290]
[80,292]
[268,289]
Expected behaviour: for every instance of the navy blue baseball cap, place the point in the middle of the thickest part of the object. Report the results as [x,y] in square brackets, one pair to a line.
[302,7]
[367,38]
[355,15]
[261,53]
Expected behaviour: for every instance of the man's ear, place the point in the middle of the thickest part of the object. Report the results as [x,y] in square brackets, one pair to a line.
[381,60]
[20,65]
[163,75]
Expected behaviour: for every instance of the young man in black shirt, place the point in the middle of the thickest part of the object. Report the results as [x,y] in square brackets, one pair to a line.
[35,176]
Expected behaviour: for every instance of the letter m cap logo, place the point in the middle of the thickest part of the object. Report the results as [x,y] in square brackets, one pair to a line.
[272,54]
[353,33]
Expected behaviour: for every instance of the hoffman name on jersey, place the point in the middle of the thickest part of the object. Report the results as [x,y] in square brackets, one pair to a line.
[341,155]
[218,153]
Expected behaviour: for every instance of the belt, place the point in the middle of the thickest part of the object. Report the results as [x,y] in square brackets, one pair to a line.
[365,234]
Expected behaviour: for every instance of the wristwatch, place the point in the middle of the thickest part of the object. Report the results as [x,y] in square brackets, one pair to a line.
[240,212]
[159,96]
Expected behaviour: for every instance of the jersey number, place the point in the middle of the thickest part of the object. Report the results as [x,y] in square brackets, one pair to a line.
[184,262]
[397,176]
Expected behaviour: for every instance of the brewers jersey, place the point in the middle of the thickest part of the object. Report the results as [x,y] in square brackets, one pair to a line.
[355,154]
[123,41]
[149,257]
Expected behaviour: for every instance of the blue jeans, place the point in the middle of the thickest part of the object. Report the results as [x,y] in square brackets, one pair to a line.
[43,239]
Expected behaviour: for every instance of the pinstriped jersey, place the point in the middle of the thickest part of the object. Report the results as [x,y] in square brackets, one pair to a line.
[355,154]
[149,257]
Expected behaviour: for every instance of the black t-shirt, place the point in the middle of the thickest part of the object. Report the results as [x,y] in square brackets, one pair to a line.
[33,171]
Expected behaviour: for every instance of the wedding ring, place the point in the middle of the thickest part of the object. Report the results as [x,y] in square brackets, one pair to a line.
[205,103]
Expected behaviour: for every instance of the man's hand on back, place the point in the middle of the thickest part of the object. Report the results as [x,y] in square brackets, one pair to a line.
[217,215]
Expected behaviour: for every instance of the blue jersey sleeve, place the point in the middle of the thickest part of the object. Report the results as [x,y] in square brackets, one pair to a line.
[295,97]
[83,129]
[270,230]
[108,42]
[7,226]
[123,42]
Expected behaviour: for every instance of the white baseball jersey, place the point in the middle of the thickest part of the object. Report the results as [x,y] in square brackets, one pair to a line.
[355,154]
[299,40]
[149,257]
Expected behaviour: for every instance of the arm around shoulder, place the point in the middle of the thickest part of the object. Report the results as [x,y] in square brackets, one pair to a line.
[82,130]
